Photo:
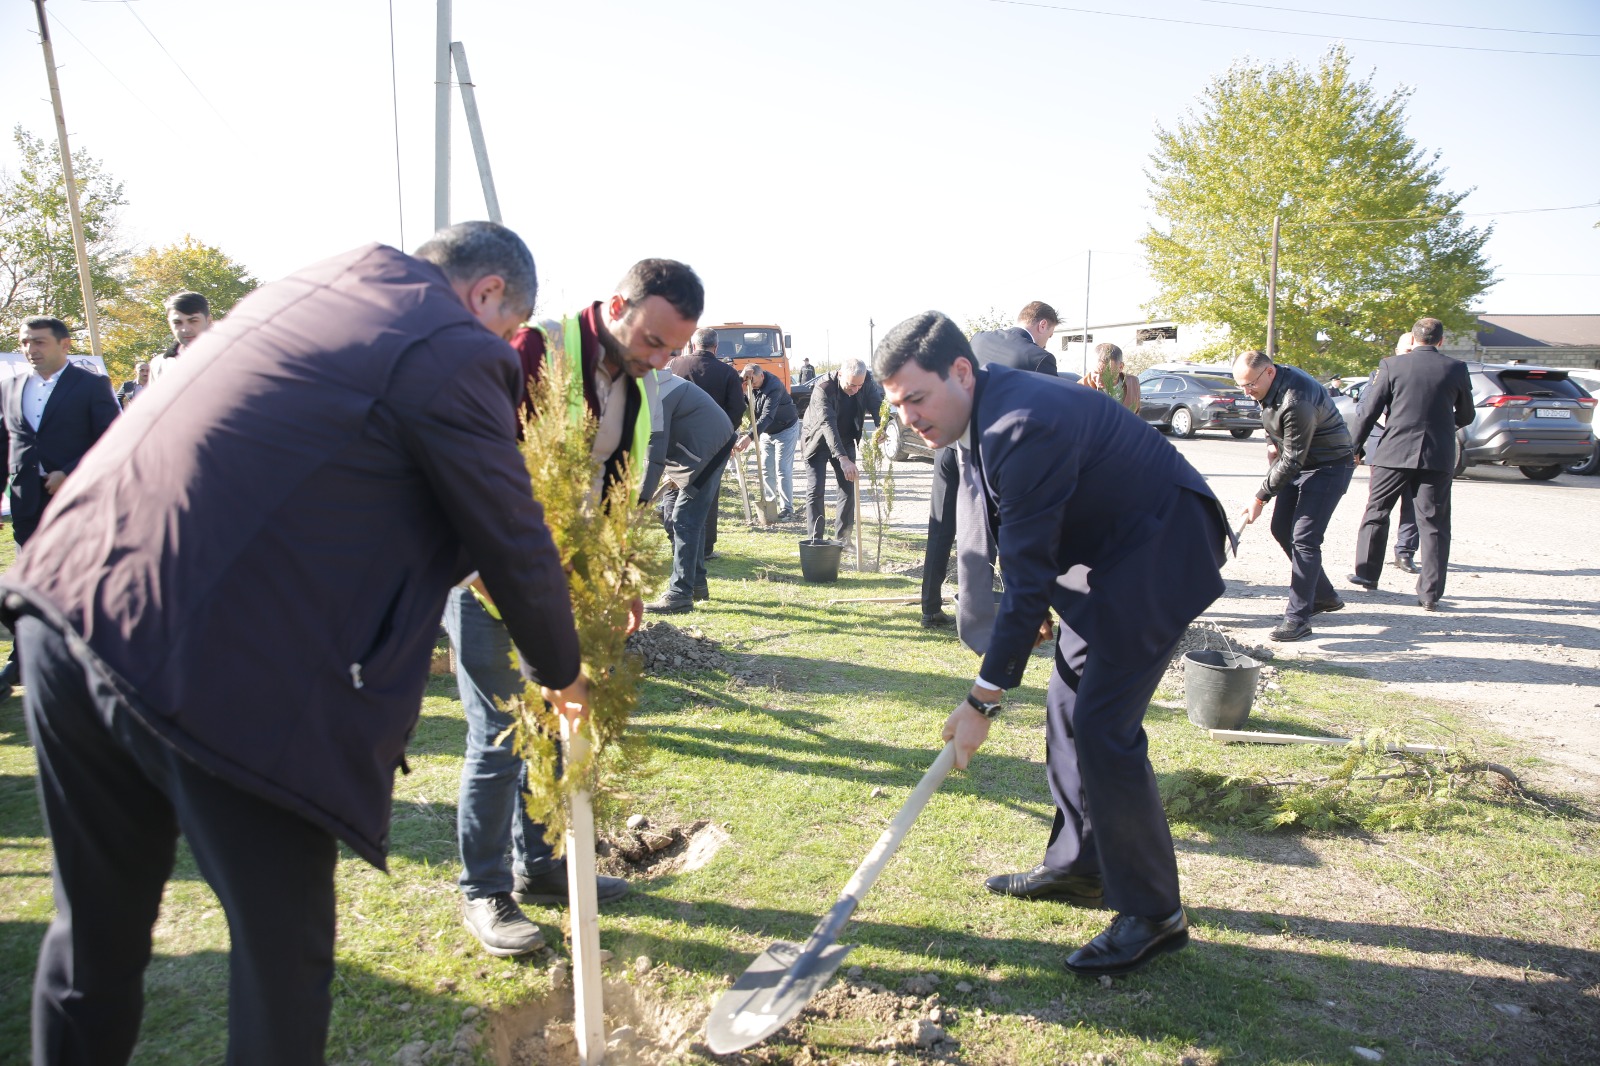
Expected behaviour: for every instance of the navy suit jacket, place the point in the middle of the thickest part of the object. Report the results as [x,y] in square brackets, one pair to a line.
[1427,396]
[1096,517]
[80,408]
[1012,347]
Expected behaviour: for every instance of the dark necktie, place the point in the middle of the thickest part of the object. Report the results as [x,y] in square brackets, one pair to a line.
[975,607]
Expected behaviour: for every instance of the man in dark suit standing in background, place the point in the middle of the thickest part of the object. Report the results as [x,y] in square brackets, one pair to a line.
[721,381]
[1426,397]
[828,437]
[1104,522]
[1020,347]
[52,416]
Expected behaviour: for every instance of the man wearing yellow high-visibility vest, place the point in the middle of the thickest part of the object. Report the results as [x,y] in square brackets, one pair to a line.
[652,314]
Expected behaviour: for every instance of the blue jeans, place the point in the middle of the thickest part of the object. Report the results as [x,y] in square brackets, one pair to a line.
[684,513]
[777,465]
[1299,520]
[492,825]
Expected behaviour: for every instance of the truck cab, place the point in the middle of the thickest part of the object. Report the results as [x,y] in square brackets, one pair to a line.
[755,344]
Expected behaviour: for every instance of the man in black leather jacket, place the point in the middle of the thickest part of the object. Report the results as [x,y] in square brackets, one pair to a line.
[1309,447]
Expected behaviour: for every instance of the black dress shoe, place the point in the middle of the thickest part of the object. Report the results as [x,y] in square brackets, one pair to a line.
[1327,606]
[1292,631]
[1427,604]
[550,887]
[1041,882]
[936,620]
[1128,943]
[1404,562]
[1361,582]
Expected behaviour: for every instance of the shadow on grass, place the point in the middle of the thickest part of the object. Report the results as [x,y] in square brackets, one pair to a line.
[186,1002]
[1300,989]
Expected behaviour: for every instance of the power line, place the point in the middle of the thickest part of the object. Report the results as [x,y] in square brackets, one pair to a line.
[1407,22]
[394,94]
[55,17]
[1436,218]
[1294,33]
[185,73]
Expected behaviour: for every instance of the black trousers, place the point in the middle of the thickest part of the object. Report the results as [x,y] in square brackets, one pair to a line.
[941,528]
[1430,490]
[115,798]
[817,496]
[711,518]
[1299,520]
[1109,819]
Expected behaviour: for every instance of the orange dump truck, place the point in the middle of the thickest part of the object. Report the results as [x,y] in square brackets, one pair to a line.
[755,344]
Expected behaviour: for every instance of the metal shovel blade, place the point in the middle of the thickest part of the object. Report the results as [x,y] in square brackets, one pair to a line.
[749,1012]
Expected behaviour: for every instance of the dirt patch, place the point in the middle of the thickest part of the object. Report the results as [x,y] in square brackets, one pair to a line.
[667,649]
[646,850]
[911,1021]
[641,1030]
[1199,637]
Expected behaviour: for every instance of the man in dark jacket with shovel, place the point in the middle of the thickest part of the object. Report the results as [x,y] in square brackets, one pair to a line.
[227,617]
[1104,523]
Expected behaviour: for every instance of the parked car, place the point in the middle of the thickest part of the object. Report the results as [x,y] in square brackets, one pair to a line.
[1182,402]
[1589,382]
[1534,418]
[1348,399]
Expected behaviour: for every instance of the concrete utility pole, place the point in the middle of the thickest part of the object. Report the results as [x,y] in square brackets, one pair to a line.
[1088,266]
[85,280]
[441,120]
[469,101]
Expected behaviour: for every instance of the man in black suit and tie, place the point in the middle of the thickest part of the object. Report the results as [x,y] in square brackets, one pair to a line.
[1104,522]
[52,416]
[1426,397]
[1020,347]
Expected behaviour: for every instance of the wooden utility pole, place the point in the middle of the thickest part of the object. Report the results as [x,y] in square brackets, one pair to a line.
[85,280]
[1272,296]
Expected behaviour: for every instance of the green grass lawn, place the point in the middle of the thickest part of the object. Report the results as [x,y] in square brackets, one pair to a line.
[1474,941]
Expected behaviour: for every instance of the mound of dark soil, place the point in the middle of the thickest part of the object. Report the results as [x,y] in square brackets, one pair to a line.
[647,850]
[667,649]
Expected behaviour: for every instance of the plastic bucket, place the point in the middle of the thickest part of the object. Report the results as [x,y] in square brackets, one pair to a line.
[819,562]
[1219,687]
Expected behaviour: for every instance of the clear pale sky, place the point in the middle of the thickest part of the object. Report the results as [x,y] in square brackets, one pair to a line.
[819,163]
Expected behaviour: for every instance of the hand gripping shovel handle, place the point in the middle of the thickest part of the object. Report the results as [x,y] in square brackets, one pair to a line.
[832,924]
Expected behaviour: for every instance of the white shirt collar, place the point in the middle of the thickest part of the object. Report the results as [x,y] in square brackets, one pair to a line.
[51,380]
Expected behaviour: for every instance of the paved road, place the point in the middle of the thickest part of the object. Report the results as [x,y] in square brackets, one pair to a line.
[1517,640]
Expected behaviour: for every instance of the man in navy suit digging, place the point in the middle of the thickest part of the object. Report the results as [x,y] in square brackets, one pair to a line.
[1104,522]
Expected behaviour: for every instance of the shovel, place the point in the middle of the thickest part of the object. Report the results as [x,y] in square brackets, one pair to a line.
[782,980]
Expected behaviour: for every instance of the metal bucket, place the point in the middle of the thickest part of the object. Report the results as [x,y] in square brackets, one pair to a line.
[819,561]
[1219,687]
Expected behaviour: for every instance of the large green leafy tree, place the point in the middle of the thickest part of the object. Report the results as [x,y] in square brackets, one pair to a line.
[135,323]
[38,266]
[1323,152]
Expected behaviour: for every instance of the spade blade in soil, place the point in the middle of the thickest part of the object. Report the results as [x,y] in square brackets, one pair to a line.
[749,1012]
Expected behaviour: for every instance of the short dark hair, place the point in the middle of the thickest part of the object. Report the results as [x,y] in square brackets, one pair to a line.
[669,279]
[54,325]
[1036,310]
[1107,353]
[705,339]
[188,303]
[468,251]
[1428,331]
[1255,359]
[931,340]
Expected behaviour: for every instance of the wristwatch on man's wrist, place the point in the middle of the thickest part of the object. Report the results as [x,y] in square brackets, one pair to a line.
[990,711]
